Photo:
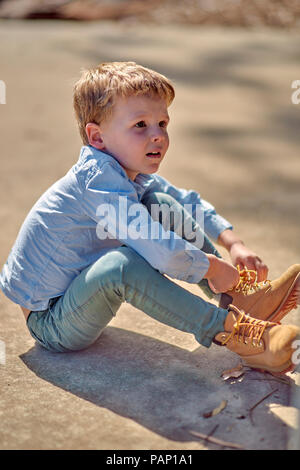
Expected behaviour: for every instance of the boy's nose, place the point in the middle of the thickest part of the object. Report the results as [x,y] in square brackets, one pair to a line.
[158,135]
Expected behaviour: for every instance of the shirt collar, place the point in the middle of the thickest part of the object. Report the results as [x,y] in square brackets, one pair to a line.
[142,180]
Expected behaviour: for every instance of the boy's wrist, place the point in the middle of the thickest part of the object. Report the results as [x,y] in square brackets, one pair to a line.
[236,244]
[228,239]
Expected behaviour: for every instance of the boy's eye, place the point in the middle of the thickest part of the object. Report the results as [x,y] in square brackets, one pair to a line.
[163,124]
[140,124]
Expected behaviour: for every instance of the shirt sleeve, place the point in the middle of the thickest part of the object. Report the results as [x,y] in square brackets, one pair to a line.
[214,224]
[112,202]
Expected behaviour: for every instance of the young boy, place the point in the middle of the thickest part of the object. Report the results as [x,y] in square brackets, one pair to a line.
[80,252]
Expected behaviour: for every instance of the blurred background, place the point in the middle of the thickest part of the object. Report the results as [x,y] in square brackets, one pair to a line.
[234,131]
[277,13]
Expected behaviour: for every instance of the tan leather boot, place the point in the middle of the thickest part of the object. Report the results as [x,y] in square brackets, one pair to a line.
[260,344]
[268,300]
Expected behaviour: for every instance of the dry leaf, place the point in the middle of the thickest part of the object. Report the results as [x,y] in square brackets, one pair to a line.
[217,410]
[235,372]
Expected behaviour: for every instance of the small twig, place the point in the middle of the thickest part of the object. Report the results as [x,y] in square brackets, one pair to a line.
[281,378]
[259,402]
[212,431]
[274,379]
[214,440]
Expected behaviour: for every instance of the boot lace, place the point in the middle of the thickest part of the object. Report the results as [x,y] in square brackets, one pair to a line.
[246,328]
[248,281]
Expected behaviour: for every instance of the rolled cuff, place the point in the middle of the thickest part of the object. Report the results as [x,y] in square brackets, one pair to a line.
[215,225]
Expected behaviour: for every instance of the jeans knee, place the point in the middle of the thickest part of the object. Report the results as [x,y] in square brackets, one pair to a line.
[116,265]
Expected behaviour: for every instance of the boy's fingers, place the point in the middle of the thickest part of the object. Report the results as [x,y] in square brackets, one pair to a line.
[249,264]
[262,273]
[256,264]
[262,270]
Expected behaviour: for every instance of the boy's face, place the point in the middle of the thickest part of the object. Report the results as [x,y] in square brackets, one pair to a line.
[136,134]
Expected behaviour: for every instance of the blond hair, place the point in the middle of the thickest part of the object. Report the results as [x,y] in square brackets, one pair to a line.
[96,90]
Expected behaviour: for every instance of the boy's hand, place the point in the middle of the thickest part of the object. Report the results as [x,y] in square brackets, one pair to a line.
[221,275]
[242,256]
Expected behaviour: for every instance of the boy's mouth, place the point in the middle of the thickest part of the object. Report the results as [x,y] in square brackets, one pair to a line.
[153,154]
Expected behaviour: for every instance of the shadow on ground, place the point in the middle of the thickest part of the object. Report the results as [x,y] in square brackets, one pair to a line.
[165,388]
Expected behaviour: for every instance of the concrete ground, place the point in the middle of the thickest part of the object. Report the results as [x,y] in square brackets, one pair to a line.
[234,138]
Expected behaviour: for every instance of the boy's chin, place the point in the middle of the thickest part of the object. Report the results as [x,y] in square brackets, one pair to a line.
[150,172]
[153,168]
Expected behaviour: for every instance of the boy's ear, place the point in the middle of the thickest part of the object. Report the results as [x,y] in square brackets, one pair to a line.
[94,135]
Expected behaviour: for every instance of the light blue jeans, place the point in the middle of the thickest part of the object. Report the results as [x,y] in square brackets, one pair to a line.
[76,319]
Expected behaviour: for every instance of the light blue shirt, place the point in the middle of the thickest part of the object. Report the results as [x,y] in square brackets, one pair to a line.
[63,232]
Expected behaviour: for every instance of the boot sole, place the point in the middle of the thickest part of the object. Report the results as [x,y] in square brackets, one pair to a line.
[290,301]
